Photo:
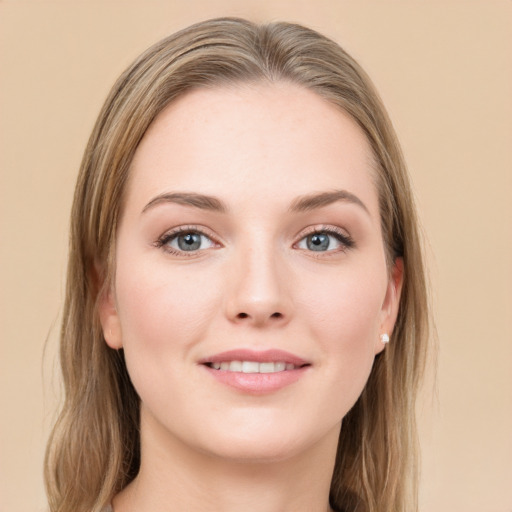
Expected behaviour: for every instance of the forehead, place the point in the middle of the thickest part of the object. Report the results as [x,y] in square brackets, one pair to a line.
[251,140]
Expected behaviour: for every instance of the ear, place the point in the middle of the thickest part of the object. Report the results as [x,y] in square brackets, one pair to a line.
[109,319]
[390,306]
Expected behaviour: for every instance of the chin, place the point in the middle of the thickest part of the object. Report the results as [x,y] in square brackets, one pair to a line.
[258,451]
[273,442]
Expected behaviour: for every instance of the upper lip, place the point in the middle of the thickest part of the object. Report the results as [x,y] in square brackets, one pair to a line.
[264,356]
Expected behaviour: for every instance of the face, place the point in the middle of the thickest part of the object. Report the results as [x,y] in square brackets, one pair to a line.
[251,284]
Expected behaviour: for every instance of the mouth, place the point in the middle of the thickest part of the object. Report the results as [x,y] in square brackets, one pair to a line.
[253,366]
[255,372]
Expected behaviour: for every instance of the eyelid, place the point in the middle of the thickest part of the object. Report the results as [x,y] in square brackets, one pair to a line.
[341,234]
[323,228]
[163,239]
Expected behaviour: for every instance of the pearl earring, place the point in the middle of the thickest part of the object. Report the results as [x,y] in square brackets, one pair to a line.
[384,338]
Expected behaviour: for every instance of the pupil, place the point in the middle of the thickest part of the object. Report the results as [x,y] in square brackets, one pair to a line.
[189,242]
[318,242]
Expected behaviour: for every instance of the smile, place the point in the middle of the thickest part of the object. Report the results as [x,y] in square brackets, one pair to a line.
[255,372]
[253,366]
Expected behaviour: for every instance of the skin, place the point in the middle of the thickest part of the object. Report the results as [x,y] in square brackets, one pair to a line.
[255,284]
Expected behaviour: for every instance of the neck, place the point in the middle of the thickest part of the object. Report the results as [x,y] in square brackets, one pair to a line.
[175,477]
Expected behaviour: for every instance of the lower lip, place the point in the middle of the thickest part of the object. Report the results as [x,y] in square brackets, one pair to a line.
[257,383]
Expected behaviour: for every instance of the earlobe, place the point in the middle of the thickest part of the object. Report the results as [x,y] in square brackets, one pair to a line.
[109,319]
[391,304]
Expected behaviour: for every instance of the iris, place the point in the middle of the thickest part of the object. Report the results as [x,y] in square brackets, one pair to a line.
[318,242]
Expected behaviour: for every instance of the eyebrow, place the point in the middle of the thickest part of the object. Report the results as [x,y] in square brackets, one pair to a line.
[321,199]
[301,204]
[201,201]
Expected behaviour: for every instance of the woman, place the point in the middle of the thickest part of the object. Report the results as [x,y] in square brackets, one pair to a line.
[244,245]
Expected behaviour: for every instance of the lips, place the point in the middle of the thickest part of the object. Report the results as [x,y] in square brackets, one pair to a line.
[255,372]
[265,356]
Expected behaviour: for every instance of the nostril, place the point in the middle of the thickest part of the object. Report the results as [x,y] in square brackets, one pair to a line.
[273,315]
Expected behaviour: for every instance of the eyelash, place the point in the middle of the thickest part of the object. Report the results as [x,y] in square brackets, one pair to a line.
[341,236]
[163,241]
[344,239]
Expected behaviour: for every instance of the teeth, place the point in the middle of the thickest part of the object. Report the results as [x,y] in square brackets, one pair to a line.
[252,366]
[235,366]
[267,367]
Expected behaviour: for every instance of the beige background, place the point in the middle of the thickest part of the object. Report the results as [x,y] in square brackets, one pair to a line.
[444,71]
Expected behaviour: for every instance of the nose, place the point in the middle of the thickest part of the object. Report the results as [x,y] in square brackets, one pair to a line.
[259,293]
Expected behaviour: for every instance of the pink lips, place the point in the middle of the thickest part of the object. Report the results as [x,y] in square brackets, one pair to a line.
[256,383]
[265,356]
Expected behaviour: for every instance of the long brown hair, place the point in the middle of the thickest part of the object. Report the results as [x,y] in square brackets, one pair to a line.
[94,451]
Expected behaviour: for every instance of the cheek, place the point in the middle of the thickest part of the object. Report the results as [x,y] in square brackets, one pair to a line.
[162,309]
[164,315]
[346,307]
[343,315]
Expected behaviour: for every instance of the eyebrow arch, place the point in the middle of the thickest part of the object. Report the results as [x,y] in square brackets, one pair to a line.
[321,199]
[201,201]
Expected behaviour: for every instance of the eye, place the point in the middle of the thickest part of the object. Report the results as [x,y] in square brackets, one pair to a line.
[325,241]
[185,240]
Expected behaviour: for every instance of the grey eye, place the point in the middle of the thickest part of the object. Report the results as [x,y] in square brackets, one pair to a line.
[323,241]
[189,241]
[318,242]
